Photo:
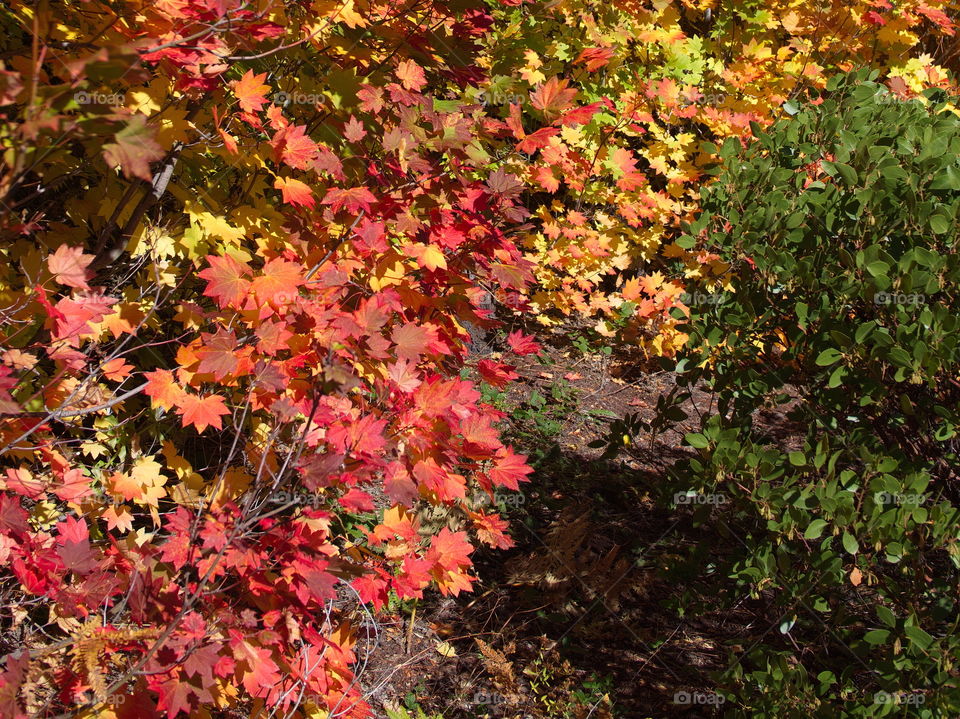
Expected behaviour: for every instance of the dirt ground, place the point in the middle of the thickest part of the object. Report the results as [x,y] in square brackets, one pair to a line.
[582,617]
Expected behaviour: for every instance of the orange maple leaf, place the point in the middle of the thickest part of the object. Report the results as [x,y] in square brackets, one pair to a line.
[226,282]
[250,90]
[553,96]
[202,412]
[411,75]
[411,341]
[69,266]
[116,369]
[295,192]
[279,282]
[162,389]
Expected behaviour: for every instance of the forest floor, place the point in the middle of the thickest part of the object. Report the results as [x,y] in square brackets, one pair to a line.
[590,614]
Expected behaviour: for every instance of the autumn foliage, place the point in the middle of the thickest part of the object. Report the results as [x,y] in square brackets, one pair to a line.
[242,245]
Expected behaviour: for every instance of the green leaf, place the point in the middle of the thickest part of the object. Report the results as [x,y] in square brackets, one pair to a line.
[946,179]
[797,459]
[886,616]
[850,543]
[828,357]
[697,440]
[815,529]
[918,637]
[876,636]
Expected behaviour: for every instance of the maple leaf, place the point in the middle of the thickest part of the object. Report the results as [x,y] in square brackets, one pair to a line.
[292,146]
[259,670]
[295,192]
[354,199]
[75,486]
[202,412]
[372,589]
[504,184]
[404,373]
[23,482]
[162,389]
[175,696]
[69,266]
[411,341]
[509,469]
[116,370]
[552,97]
[353,130]
[537,140]
[523,344]
[580,115]
[496,373]
[411,75]
[356,500]
[73,545]
[278,282]
[135,148]
[429,257]
[594,58]
[491,530]
[450,550]
[121,520]
[218,354]
[445,485]
[126,486]
[226,283]
[250,90]
[939,17]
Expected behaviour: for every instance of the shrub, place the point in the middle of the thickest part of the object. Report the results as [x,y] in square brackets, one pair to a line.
[840,224]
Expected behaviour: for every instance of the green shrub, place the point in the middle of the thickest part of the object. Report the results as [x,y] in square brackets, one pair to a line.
[840,224]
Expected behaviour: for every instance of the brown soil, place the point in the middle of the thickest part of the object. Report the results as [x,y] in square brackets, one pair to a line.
[580,618]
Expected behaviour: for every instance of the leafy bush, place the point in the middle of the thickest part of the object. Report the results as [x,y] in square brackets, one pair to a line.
[843,505]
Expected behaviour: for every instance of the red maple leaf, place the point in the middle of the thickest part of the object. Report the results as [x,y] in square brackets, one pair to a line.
[594,57]
[218,355]
[553,96]
[354,199]
[509,469]
[523,344]
[450,550]
[411,341]
[226,283]
[292,146]
[163,389]
[496,373]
